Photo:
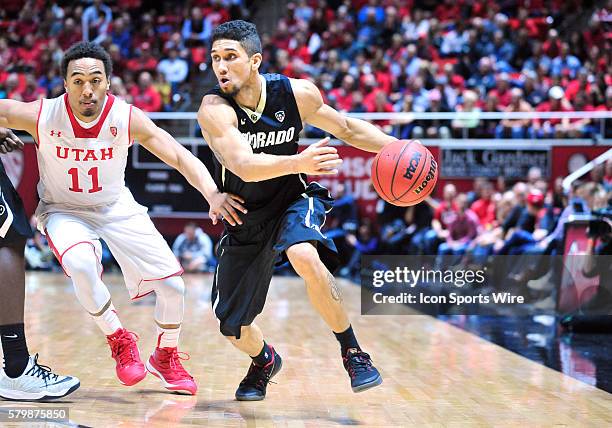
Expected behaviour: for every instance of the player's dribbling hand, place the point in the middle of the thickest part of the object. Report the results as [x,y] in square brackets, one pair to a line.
[224,205]
[319,159]
[9,141]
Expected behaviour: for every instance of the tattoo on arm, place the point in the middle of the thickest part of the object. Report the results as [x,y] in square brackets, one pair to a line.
[335,291]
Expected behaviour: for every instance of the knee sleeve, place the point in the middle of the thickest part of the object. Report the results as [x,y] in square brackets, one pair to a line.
[81,264]
[170,303]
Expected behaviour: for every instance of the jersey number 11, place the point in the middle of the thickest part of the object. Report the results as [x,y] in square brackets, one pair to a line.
[93,173]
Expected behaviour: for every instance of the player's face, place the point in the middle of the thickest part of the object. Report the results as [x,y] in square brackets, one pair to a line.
[232,65]
[86,85]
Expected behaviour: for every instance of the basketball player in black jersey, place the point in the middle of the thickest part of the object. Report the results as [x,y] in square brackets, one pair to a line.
[21,377]
[252,123]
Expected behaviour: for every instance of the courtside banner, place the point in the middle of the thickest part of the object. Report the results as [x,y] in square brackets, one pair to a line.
[496,285]
[508,163]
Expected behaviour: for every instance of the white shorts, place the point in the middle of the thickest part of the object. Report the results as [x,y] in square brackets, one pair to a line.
[140,250]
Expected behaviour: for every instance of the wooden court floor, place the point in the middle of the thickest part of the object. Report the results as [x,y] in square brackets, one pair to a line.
[434,374]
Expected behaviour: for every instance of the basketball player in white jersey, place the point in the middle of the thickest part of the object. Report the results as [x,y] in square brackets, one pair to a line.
[83,138]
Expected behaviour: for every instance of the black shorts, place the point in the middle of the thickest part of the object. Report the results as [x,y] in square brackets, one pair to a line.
[14,225]
[247,256]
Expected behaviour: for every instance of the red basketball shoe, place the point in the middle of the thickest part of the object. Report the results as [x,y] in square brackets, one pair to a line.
[130,370]
[165,363]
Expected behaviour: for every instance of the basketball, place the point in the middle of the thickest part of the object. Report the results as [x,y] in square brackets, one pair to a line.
[404,172]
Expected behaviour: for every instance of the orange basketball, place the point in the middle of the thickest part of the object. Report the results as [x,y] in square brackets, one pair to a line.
[404,173]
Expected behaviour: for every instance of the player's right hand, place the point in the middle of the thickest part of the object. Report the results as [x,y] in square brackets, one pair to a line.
[9,141]
[319,159]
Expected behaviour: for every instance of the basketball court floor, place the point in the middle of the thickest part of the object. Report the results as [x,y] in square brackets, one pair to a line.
[435,374]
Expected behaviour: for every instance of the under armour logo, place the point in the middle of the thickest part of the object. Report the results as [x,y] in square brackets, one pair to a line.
[54,132]
[280,115]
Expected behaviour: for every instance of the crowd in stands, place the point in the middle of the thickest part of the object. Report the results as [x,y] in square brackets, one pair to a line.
[365,55]
[157,50]
[452,55]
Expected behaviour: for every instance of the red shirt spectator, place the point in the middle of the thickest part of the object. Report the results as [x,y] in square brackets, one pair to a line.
[485,211]
[145,96]
[575,86]
[70,34]
[556,102]
[446,213]
[144,62]
[344,99]
[504,97]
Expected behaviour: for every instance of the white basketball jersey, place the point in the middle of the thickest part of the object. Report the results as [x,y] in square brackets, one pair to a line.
[79,166]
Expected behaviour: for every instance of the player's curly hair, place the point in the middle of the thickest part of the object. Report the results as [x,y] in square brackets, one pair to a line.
[87,50]
[241,31]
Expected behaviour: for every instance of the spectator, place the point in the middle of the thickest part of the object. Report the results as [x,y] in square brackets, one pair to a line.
[6,55]
[121,36]
[32,91]
[467,124]
[11,87]
[95,22]
[364,243]
[484,206]
[445,213]
[382,105]
[527,233]
[194,249]
[196,29]
[174,69]
[565,64]
[165,91]
[145,61]
[515,128]
[28,55]
[502,90]
[538,58]
[553,127]
[144,95]
[461,230]
[405,125]
[70,34]
[117,88]
[436,128]
[343,95]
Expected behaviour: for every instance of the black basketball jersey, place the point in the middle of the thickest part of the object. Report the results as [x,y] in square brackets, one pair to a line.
[273,129]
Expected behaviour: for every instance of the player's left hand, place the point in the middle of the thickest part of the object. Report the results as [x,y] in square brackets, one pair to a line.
[224,205]
[9,141]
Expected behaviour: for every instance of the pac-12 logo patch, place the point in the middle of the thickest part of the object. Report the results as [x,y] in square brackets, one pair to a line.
[113,130]
[280,115]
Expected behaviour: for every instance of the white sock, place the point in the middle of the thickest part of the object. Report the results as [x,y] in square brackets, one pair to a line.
[109,321]
[168,337]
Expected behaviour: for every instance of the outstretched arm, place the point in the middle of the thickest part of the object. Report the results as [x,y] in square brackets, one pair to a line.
[355,132]
[166,148]
[19,115]
[219,125]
